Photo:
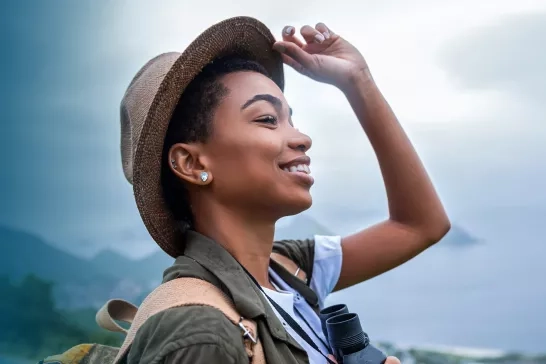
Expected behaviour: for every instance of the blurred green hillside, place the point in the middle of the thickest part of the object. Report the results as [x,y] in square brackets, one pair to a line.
[31,327]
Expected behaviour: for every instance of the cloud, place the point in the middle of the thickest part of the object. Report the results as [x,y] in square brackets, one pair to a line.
[499,149]
[507,55]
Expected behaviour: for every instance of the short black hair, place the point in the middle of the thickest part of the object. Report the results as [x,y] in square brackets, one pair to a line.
[192,122]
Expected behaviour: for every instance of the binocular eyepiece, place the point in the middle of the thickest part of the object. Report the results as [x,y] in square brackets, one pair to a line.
[349,343]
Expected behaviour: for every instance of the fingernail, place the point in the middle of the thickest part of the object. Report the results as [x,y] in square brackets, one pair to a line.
[319,38]
[326,34]
[288,30]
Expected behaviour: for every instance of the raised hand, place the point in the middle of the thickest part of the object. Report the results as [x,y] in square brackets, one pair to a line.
[322,55]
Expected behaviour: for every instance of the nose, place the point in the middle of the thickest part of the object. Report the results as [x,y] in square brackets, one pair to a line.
[300,141]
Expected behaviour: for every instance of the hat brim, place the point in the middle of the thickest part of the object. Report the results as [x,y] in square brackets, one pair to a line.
[242,36]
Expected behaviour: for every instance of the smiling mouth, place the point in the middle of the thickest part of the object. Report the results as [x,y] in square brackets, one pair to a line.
[302,168]
[298,165]
[299,168]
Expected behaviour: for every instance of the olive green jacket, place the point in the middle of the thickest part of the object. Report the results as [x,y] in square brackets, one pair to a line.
[201,334]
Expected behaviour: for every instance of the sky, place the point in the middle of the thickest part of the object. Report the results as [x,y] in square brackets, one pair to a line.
[465,79]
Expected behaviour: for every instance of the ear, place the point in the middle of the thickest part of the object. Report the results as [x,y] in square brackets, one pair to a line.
[187,162]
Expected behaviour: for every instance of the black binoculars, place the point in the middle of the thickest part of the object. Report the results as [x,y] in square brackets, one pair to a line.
[350,345]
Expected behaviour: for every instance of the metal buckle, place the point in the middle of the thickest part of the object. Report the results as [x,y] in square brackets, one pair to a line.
[246,332]
[296,274]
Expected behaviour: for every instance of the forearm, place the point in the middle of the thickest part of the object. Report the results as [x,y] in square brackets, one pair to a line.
[411,196]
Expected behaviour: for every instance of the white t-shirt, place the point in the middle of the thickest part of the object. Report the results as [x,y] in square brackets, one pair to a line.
[326,270]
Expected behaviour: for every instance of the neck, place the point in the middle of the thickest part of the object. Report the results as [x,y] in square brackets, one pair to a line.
[248,239]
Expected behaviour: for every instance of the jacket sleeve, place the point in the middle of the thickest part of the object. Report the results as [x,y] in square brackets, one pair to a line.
[301,252]
[200,354]
[188,335]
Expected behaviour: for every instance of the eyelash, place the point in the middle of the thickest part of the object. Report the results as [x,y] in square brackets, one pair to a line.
[267,120]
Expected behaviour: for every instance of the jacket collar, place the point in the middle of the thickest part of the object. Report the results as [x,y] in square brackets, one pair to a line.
[247,298]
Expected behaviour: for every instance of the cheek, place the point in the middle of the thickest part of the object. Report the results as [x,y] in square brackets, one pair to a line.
[246,172]
[248,160]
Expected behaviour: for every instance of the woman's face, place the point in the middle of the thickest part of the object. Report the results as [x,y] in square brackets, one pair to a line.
[255,155]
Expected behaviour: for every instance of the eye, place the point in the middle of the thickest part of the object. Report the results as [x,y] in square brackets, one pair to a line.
[268,119]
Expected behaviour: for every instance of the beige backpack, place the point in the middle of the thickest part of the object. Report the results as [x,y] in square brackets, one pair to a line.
[175,293]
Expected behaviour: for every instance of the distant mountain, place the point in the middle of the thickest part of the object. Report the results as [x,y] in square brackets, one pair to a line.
[148,270]
[301,227]
[457,236]
[83,283]
[77,282]
[25,254]
[111,261]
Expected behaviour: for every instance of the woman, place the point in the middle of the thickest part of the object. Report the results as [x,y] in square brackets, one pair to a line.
[209,144]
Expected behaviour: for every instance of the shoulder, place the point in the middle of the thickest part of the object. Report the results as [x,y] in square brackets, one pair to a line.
[306,252]
[197,332]
[320,258]
[327,246]
[301,252]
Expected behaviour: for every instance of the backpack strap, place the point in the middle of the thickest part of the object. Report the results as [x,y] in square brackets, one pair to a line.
[120,310]
[176,293]
[289,265]
[296,278]
[193,291]
[116,310]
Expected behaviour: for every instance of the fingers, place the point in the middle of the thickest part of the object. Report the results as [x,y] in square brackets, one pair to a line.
[295,65]
[289,35]
[301,55]
[318,34]
[392,360]
[295,56]
[311,35]
[321,27]
[292,63]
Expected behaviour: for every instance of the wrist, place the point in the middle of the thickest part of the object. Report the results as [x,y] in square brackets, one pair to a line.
[357,80]
[359,83]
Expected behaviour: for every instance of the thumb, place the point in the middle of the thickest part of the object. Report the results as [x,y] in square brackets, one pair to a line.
[295,52]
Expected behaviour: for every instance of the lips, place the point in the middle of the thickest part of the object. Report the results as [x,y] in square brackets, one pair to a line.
[298,165]
[299,170]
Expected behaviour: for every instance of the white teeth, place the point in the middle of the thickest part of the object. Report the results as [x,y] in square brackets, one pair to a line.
[299,168]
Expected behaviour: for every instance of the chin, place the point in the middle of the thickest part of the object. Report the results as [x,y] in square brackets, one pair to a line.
[298,205]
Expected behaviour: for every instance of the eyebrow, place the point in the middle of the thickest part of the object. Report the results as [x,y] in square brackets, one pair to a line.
[276,102]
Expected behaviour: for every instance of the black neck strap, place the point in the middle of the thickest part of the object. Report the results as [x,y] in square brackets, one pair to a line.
[296,283]
[286,316]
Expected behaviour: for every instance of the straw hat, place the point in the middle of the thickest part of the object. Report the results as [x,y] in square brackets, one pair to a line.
[151,98]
